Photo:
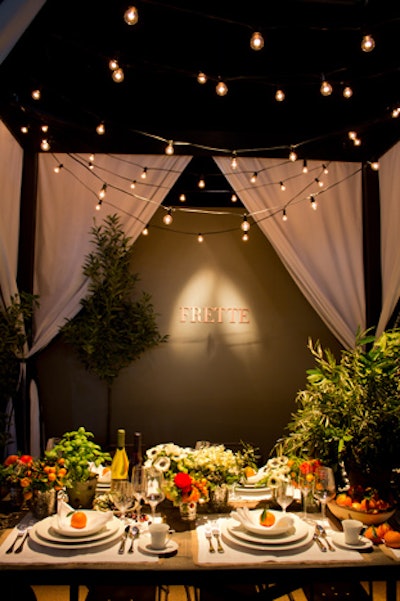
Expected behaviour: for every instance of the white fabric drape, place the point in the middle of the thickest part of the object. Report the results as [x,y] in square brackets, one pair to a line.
[10,183]
[389,189]
[323,249]
[65,215]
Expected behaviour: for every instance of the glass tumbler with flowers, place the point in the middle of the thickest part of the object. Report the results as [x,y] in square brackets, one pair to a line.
[185,491]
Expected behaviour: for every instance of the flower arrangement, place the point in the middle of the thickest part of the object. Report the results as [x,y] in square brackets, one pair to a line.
[33,474]
[183,488]
[284,469]
[217,465]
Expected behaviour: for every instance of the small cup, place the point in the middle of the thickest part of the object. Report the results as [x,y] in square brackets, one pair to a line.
[159,535]
[352,530]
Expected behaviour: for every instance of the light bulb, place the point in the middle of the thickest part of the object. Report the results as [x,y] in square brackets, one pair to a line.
[131,16]
[234,163]
[395,112]
[284,216]
[200,238]
[279,95]
[100,129]
[352,135]
[256,41]
[325,169]
[182,197]
[245,224]
[133,184]
[167,219]
[357,142]
[326,88]
[113,64]
[44,145]
[347,92]
[44,128]
[245,237]
[169,149]
[201,77]
[145,231]
[282,185]
[36,94]
[143,175]
[221,88]
[91,166]
[313,203]
[233,198]
[24,129]
[58,168]
[91,158]
[292,156]
[98,206]
[253,178]
[305,166]
[375,165]
[118,75]
[319,182]
[201,183]
[102,192]
[367,43]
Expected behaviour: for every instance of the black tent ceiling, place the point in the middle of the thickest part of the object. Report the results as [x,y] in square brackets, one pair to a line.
[66,50]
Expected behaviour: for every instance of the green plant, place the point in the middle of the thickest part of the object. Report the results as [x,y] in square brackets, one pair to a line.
[349,412]
[14,336]
[112,329]
[78,451]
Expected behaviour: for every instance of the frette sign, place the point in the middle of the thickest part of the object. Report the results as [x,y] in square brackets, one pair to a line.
[217,315]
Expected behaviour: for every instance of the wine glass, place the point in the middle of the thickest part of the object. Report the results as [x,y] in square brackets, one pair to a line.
[324,488]
[139,487]
[122,495]
[153,488]
[285,494]
[305,483]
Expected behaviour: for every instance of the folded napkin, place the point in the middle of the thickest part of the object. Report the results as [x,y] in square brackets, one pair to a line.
[103,473]
[262,472]
[250,520]
[95,520]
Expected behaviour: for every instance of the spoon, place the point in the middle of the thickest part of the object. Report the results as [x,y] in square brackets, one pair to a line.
[134,535]
[324,535]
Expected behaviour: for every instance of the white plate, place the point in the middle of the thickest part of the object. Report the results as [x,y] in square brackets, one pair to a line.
[338,539]
[252,488]
[238,531]
[94,524]
[45,530]
[267,546]
[74,545]
[145,547]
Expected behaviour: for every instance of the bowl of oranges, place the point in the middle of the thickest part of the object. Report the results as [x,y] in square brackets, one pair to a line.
[361,504]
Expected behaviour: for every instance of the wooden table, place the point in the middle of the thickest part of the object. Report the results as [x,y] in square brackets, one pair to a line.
[182,570]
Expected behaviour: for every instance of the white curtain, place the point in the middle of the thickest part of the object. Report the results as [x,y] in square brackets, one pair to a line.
[10,180]
[389,183]
[66,212]
[322,249]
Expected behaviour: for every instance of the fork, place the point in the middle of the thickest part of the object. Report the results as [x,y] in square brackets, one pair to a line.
[216,532]
[321,530]
[208,535]
[20,533]
[20,547]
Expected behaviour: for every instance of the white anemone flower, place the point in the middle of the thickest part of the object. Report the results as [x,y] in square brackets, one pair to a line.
[162,464]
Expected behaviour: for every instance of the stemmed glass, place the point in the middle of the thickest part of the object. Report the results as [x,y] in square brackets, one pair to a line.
[153,487]
[305,483]
[285,494]
[122,495]
[324,488]
[139,487]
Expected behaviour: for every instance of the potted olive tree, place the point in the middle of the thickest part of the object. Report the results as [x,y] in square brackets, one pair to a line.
[349,413]
[14,336]
[115,326]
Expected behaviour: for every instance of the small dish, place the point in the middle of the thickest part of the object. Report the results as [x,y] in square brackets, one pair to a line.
[338,539]
[145,547]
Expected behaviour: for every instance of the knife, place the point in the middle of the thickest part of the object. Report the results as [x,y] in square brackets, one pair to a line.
[123,541]
[319,543]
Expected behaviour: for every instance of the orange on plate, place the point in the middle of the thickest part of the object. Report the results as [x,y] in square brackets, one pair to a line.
[78,519]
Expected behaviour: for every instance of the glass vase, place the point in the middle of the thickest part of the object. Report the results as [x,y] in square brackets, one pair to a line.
[188,511]
[43,503]
[219,499]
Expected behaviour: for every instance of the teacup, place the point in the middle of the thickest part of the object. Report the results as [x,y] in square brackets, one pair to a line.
[159,533]
[352,530]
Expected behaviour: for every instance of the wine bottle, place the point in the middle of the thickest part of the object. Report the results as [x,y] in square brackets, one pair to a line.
[120,461]
[137,455]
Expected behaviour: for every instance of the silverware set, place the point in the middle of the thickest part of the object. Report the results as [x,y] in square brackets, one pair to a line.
[321,537]
[22,536]
[213,531]
[131,532]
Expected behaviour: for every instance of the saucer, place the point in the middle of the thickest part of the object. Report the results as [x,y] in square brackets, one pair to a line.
[145,547]
[338,539]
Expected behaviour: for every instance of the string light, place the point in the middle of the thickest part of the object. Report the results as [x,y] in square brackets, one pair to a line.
[305,166]
[133,184]
[200,238]
[44,128]
[221,88]
[131,15]
[45,145]
[352,135]
[313,203]
[326,88]
[201,183]
[284,215]
[234,163]
[113,64]
[367,43]
[293,156]
[145,231]
[24,129]
[100,129]
[103,191]
[182,197]
[143,175]
[396,112]
[374,165]
[245,224]
[201,78]
[58,168]
[234,198]
[245,237]
[91,158]
[325,169]
[36,94]
[357,142]
[253,178]
[347,92]
[280,95]
[256,41]
[91,166]
[118,75]
[319,182]
[167,219]
[169,149]
[282,185]
[99,203]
